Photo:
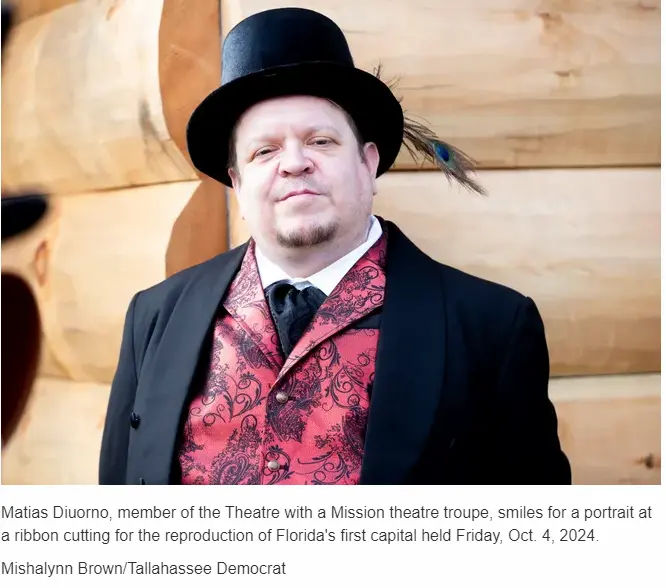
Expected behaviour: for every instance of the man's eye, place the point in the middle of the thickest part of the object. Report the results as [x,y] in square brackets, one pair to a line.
[262,151]
[321,141]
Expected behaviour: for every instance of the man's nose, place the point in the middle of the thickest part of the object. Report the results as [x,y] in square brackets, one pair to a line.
[294,161]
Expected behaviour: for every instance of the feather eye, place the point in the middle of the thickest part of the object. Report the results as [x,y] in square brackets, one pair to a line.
[419,140]
[442,152]
[456,165]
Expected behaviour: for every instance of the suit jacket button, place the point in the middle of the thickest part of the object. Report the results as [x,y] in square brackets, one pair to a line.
[135,419]
[281,397]
[273,465]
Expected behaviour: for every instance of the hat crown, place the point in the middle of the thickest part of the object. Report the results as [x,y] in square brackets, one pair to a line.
[281,37]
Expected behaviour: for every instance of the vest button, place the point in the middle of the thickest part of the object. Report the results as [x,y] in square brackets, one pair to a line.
[282,397]
[135,419]
[273,465]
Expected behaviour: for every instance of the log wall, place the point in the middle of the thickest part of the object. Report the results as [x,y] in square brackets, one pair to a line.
[559,102]
[96,94]
[516,83]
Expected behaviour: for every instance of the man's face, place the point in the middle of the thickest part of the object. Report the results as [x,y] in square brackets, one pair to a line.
[301,180]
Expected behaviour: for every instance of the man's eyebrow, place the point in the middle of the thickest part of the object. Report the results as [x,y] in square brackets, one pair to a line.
[263,137]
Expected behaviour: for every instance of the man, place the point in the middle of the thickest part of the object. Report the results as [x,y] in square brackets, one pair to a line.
[328,349]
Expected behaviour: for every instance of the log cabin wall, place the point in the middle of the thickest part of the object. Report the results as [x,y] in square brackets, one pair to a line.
[95,99]
[559,102]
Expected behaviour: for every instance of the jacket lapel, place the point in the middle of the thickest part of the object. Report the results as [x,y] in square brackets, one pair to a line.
[359,293]
[247,304]
[167,374]
[408,381]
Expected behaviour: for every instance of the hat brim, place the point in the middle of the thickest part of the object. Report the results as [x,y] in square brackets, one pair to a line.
[369,101]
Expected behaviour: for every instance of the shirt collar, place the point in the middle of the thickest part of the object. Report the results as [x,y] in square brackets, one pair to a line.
[326,279]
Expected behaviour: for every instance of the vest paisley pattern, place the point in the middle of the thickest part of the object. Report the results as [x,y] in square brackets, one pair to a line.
[262,419]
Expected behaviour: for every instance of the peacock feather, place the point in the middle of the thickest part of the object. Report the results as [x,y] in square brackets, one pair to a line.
[420,140]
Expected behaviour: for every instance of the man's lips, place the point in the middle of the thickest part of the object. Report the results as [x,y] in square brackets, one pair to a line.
[298,193]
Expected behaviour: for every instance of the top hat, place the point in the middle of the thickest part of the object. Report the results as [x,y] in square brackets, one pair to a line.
[295,51]
[289,51]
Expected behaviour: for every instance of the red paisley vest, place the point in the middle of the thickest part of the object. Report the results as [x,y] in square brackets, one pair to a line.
[261,419]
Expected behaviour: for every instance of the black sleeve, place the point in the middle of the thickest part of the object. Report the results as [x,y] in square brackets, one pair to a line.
[527,448]
[113,453]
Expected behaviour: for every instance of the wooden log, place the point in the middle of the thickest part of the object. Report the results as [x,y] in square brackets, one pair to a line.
[190,48]
[609,428]
[96,94]
[585,244]
[99,250]
[515,83]
[58,439]
[200,231]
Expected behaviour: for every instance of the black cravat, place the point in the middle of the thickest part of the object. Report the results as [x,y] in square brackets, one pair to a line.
[292,310]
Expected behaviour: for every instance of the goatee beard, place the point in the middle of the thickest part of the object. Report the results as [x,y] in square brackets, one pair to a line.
[308,236]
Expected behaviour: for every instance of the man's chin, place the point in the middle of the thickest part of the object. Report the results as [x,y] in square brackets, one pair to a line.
[306,234]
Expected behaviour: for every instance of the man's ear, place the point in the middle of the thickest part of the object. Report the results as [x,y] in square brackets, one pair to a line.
[235,179]
[235,184]
[371,157]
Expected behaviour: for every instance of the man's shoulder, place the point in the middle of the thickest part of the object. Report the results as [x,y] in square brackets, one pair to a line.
[478,293]
[169,290]
[488,314]
[461,288]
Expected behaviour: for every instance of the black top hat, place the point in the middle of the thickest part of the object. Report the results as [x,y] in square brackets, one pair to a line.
[290,51]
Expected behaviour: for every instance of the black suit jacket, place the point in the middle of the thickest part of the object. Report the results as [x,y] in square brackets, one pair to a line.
[460,393]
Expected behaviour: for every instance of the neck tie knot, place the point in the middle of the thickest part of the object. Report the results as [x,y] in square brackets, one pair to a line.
[292,311]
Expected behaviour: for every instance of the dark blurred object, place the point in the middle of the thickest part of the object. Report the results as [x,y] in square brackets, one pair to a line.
[21,332]
[7,20]
[21,213]
[21,326]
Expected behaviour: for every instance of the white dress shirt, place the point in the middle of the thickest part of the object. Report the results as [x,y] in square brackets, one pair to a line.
[326,279]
